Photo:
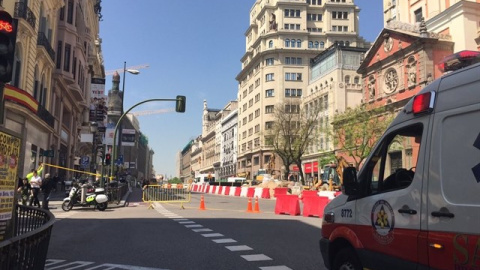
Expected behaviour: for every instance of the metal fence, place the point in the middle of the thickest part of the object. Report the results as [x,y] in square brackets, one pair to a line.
[166,194]
[29,246]
[115,194]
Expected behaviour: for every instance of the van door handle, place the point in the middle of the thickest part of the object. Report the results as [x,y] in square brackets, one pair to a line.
[443,212]
[406,210]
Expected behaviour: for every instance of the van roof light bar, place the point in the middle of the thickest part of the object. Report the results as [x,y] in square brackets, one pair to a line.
[459,60]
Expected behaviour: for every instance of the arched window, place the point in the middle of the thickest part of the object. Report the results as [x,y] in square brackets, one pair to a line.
[316,44]
[287,42]
[293,43]
[310,44]
[347,43]
[347,79]
[299,43]
[17,66]
[270,44]
[356,80]
[341,43]
[322,45]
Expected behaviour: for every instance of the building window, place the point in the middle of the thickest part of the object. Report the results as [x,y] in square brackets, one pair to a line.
[257,98]
[293,76]
[257,128]
[256,160]
[293,92]
[418,15]
[59,55]
[250,103]
[294,13]
[269,61]
[66,61]
[269,125]
[270,44]
[269,77]
[62,14]
[293,60]
[70,12]
[269,93]
[292,108]
[257,113]
[269,109]
[287,42]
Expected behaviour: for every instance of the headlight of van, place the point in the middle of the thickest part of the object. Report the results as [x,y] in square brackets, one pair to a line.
[329,217]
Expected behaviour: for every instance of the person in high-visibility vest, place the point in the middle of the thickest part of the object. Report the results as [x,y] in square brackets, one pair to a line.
[39,171]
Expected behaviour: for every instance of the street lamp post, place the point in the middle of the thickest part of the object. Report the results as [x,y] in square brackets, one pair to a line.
[134,72]
[93,129]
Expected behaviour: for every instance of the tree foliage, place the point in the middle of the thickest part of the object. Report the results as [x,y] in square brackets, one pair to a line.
[356,131]
[291,133]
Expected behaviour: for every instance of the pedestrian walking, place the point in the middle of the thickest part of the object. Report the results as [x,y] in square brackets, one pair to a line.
[35,182]
[47,186]
[25,190]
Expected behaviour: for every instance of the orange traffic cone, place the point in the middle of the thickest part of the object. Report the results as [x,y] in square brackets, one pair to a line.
[249,207]
[202,203]
[257,208]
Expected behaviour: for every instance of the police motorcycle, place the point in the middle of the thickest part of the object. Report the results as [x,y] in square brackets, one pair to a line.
[85,195]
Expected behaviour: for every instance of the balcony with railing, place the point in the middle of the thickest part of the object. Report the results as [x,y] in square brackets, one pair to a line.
[22,11]
[43,41]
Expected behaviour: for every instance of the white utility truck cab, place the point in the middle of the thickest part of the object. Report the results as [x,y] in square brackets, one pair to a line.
[204,178]
[415,203]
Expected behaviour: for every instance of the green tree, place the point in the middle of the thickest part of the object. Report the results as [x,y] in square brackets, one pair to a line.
[175,180]
[356,130]
[292,131]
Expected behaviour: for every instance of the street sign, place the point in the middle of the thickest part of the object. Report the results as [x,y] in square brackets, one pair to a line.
[84,161]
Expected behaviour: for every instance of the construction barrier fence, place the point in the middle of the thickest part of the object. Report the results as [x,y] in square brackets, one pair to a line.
[166,194]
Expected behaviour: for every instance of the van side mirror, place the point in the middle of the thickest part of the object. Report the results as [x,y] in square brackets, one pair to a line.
[350,183]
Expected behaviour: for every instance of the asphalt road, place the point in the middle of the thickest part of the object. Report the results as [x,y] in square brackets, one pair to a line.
[224,236]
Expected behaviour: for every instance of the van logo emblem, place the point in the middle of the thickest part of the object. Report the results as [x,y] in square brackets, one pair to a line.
[476,168]
[383,222]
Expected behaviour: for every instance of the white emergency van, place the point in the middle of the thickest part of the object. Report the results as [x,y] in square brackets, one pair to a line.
[415,203]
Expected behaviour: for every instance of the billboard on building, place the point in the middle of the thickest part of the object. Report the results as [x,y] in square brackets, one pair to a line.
[128,137]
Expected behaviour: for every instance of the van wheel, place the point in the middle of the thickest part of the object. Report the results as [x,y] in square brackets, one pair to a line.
[346,259]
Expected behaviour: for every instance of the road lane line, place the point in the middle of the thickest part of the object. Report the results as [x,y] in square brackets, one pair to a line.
[202,230]
[239,248]
[194,226]
[279,267]
[256,257]
[223,241]
[212,235]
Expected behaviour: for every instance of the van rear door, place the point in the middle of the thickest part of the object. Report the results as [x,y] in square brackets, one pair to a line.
[453,204]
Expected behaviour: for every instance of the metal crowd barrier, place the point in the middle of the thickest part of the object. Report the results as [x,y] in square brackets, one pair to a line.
[166,194]
[29,246]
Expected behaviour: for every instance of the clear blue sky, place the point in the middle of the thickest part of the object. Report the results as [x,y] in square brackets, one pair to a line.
[193,48]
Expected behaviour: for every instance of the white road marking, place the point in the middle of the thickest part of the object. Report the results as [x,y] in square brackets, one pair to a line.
[256,257]
[279,267]
[202,230]
[226,240]
[52,264]
[212,235]
[180,219]
[239,248]
[194,226]
[186,222]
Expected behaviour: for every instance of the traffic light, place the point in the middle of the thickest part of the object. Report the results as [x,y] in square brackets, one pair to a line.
[180,104]
[8,36]
[108,159]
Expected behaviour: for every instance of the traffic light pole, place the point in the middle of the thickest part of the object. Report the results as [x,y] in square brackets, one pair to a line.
[180,107]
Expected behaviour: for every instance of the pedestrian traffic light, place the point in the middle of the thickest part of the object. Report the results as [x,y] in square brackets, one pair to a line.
[108,159]
[180,104]
[8,36]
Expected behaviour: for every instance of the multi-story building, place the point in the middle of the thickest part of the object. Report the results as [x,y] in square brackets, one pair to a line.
[456,18]
[228,148]
[57,54]
[196,156]
[334,85]
[185,162]
[282,37]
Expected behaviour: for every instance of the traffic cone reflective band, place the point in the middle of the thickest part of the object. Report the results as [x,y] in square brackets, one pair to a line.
[249,207]
[257,208]
[202,203]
